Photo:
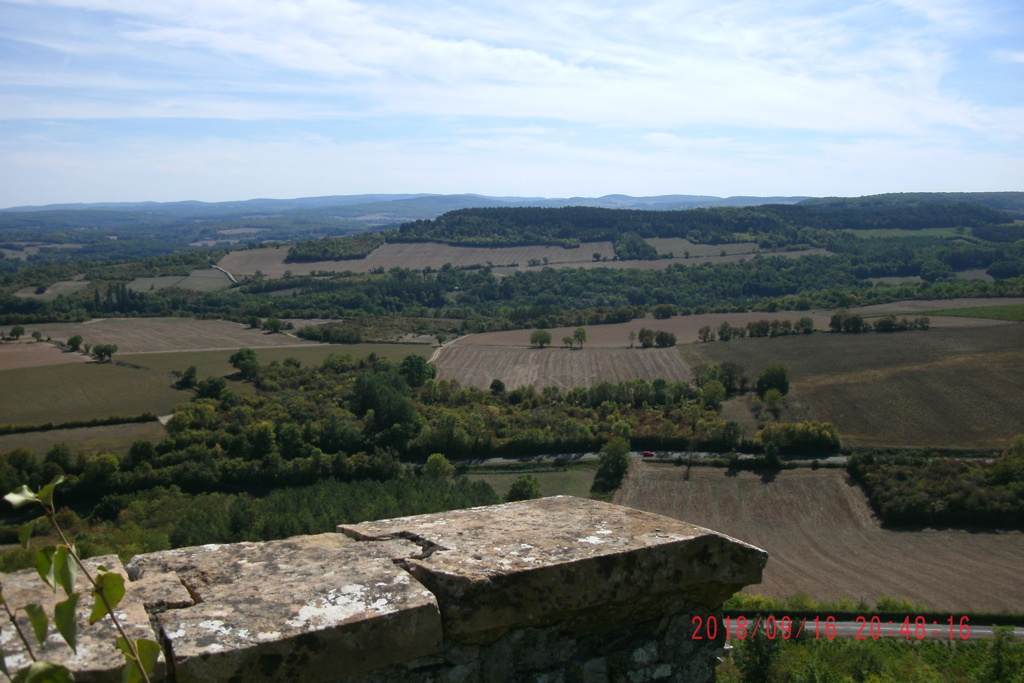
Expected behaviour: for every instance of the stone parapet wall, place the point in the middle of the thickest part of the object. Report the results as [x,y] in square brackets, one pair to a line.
[556,589]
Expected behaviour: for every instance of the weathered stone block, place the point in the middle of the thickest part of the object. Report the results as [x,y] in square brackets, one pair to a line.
[538,562]
[314,608]
[97,658]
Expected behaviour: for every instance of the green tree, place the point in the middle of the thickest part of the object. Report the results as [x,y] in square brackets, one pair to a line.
[804,325]
[75,342]
[775,376]
[273,325]
[497,386]
[580,335]
[416,370]
[567,341]
[524,487]
[104,351]
[37,335]
[188,379]
[244,360]
[438,467]
[17,331]
[540,338]
[611,466]
[646,338]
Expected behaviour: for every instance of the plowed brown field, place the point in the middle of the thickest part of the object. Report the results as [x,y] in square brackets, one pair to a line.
[141,335]
[949,387]
[478,365]
[823,541]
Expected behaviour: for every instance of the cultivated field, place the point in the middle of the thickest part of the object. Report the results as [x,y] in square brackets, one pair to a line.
[82,391]
[420,255]
[479,365]
[616,336]
[63,287]
[116,439]
[416,255]
[678,246]
[947,387]
[201,280]
[822,540]
[29,354]
[924,306]
[662,264]
[215,363]
[138,335]
[555,483]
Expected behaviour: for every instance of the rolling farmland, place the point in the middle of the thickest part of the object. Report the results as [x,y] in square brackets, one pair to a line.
[142,335]
[822,540]
[957,387]
[419,255]
[477,366]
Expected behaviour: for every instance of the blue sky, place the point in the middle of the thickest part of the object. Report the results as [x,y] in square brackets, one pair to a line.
[122,100]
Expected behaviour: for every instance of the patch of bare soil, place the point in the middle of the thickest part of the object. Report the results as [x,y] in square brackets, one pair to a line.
[823,541]
[33,354]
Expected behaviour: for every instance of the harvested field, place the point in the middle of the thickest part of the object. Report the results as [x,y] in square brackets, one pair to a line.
[616,336]
[137,335]
[116,439]
[31,354]
[823,541]
[420,255]
[415,255]
[947,387]
[478,366]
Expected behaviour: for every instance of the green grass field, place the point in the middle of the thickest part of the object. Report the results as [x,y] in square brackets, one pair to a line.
[114,439]
[574,482]
[215,363]
[1007,312]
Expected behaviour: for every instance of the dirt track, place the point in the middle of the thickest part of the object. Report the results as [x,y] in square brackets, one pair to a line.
[823,541]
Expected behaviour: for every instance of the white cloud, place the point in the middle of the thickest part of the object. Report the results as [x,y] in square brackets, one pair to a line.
[594,87]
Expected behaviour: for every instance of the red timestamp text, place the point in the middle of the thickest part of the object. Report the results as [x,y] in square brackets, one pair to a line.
[859,628]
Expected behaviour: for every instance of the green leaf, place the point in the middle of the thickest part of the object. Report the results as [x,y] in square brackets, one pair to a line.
[46,493]
[111,585]
[21,496]
[44,672]
[66,618]
[44,565]
[64,569]
[25,534]
[149,653]
[37,617]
